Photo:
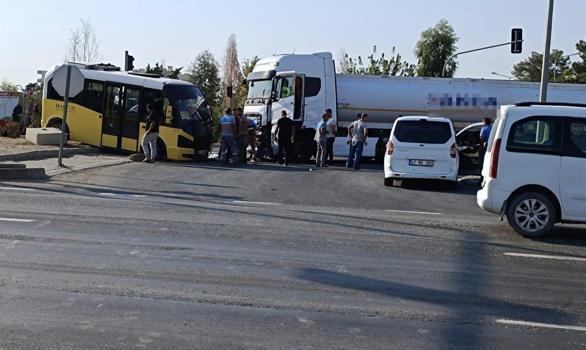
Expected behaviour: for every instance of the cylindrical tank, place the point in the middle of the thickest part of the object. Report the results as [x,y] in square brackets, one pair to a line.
[461,100]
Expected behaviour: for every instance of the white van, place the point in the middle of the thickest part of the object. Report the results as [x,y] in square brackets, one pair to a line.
[421,148]
[535,167]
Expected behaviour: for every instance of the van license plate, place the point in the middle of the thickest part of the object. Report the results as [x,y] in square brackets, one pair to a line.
[419,162]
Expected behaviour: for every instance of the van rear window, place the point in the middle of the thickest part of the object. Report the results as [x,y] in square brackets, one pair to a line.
[423,131]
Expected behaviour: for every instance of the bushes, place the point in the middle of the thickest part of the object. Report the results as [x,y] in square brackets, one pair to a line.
[10,129]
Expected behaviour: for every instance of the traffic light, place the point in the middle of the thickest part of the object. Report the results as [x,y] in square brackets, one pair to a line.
[229,91]
[517,40]
[128,62]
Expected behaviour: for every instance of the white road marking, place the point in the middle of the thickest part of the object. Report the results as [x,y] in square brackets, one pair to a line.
[2,188]
[16,220]
[108,194]
[541,325]
[412,212]
[548,257]
[257,203]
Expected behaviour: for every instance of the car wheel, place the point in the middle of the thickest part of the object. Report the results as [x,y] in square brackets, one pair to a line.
[389,181]
[531,214]
[305,149]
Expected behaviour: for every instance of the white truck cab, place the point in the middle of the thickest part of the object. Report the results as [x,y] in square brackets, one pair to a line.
[301,85]
[535,167]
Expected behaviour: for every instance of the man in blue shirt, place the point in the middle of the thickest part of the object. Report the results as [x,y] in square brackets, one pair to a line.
[485,132]
[228,137]
[484,136]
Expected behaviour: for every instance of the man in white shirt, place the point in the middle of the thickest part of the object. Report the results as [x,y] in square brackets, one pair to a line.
[357,134]
[331,136]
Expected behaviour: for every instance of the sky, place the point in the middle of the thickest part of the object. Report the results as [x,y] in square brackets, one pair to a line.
[34,34]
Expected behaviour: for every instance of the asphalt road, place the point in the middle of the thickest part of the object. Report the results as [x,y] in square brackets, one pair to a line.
[177,256]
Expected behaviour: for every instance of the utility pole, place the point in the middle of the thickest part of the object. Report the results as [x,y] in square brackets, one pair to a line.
[63,139]
[545,66]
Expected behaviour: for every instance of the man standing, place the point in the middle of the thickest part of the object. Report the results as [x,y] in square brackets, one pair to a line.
[16,112]
[242,138]
[357,135]
[331,136]
[321,134]
[151,135]
[286,137]
[485,133]
[252,139]
[484,136]
[227,137]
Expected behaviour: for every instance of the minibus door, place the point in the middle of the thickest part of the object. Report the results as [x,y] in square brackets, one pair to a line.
[121,118]
[113,112]
[130,120]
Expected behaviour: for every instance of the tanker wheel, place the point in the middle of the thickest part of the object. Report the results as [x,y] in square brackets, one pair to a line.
[305,150]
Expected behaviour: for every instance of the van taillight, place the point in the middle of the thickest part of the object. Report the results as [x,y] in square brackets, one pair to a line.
[390,149]
[453,151]
[494,158]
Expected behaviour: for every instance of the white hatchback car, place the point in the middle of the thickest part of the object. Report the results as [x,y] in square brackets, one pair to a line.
[535,167]
[421,148]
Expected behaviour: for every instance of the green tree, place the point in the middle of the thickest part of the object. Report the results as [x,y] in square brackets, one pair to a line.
[248,65]
[377,65]
[174,74]
[205,73]
[433,49]
[156,69]
[578,71]
[159,70]
[7,86]
[529,69]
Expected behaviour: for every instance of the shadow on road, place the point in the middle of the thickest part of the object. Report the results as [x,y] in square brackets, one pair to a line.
[567,236]
[216,165]
[439,186]
[466,301]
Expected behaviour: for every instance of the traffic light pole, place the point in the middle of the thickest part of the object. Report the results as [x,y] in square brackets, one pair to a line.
[444,70]
[545,66]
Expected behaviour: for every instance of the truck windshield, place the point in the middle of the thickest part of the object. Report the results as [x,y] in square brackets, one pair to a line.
[189,103]
[259,89]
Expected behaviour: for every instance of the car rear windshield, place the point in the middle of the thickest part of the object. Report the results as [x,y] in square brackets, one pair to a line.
[423,131]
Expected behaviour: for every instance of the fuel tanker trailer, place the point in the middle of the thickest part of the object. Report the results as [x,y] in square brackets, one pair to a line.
[306,85]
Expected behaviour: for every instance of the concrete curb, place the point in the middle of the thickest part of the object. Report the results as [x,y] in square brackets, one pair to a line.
[62,171]
[22,174]
[45,154]
[12,166]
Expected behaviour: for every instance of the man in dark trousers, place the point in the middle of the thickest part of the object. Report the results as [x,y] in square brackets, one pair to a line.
[151,135]
[286,137]
[16,112]
[242,134]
